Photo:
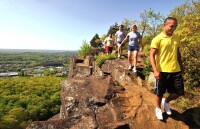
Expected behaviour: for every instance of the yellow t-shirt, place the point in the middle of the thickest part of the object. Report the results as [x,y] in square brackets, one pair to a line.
[166,56]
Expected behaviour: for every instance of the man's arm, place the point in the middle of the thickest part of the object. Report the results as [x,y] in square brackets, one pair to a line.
[153,52]
[124,41]
[116,37]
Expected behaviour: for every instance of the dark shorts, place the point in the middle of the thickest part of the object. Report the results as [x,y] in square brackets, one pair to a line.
[133,48]
[109,49]
[172,82]
[119,42]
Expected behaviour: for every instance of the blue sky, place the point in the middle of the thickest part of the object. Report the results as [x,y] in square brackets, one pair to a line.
[64,24]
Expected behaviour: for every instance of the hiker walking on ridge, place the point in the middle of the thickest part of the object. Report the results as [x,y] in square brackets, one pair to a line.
[166,63]
[134,38]
[108,42]
[119,37]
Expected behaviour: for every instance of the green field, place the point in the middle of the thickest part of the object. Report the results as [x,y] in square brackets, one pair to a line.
[24,99]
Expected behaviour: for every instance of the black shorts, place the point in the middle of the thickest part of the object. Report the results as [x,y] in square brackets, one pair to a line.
[172,82]
[119,42]
[133,48]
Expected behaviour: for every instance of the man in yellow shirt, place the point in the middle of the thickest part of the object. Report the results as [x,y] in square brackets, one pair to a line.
[166,63]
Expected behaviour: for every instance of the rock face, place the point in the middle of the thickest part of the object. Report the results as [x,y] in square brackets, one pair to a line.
[110,97]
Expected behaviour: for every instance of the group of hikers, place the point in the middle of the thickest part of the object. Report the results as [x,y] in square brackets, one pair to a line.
[134,38]
[165,60]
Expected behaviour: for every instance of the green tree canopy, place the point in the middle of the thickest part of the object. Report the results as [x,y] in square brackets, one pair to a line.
[85,49]
[188,16]
[96,42]
[113,29]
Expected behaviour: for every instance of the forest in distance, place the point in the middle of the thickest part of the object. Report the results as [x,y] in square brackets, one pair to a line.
[35,50]
[34,62]
[34,94]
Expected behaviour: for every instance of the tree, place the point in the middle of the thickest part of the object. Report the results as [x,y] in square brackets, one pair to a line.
[19,113]
[96,42]
[151,22]
[113,29]
[85,49]
[128,23]
[188,16]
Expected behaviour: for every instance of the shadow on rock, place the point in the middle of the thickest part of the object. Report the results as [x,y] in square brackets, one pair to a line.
[126,126]
[140,73]
[191,117]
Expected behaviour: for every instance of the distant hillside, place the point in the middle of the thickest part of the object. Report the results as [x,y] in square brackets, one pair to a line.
[14,60]
[36,50]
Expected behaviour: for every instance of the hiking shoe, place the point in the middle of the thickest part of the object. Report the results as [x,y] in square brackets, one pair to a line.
[166,107]
[159,115]
[134,69]
[119,55]
[129,67]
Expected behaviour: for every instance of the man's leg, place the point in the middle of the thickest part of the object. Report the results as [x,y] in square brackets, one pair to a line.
[158,110]
[171,97]
[158,101]
[176,89]
[119,51]
[159,91]
[165,102]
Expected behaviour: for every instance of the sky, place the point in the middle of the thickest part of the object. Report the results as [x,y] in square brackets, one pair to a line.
[65,24]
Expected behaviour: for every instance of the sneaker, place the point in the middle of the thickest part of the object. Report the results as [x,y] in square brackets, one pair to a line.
[129,67]
[166,107]
[118,55]
[134,69]
[159,115]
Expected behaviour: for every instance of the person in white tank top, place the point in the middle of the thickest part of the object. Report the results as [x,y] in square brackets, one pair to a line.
[109,42]
[119,37]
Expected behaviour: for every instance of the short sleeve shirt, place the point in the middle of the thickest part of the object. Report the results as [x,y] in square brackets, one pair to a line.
[133,38]
[167,52]
[109,42]
[120,35]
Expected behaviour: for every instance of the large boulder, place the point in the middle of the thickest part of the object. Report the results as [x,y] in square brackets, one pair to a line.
[110,97]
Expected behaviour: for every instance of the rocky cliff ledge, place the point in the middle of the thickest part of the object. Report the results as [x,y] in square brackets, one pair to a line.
[110,97]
